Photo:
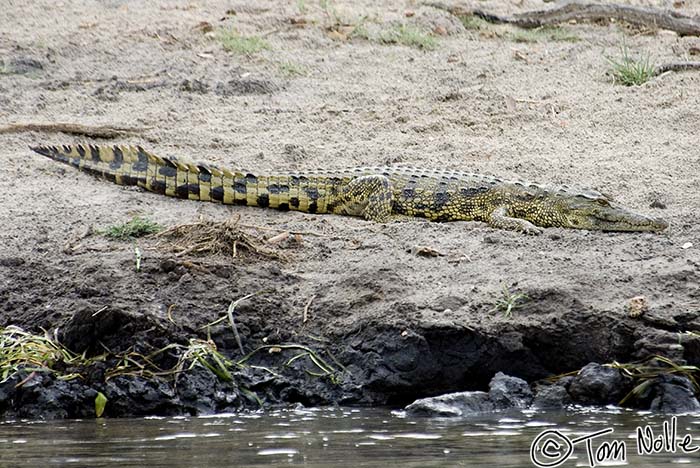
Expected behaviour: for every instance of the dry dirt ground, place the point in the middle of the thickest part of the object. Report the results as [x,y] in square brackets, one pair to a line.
[326,91]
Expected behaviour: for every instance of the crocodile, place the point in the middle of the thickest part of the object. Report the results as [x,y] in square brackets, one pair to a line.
[377,194]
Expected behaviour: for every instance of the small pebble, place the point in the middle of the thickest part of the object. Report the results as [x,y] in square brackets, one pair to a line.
[637,306]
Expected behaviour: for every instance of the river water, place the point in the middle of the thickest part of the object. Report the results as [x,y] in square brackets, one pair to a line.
[345,437]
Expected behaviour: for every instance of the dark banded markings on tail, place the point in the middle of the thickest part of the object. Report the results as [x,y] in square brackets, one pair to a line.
[118,158]
[240,187]
[193,183]
[277,185]
[157,186]
[204,174]
[81,150]
[185,190]
[169,174]
[251,195]
[109,176]
[182,180]
[204,177]
[283,207]
[141,165]
[168,171]
[294,202]
[313,207]
[133,179]
[263,200]
[95,154]
[312,193]
[217,193]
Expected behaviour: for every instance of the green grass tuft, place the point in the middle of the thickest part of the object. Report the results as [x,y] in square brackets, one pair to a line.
[136,227]
[473,23]
[232,41]
[508,302]
[292,69]
[409,36]
[629,71]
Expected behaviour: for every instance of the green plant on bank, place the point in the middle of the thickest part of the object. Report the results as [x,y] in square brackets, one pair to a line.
[292,69]
[408,35]
[21,350]
[360,30]
[629,71]
[473,22]
[136,227]
[508,302]
[543,33]
[27,352]
[645,372]
[232,41]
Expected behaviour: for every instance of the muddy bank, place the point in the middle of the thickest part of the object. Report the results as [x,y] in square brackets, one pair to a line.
[390,324]
[377,345]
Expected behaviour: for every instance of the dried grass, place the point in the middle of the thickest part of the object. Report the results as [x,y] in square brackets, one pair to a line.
[208,237]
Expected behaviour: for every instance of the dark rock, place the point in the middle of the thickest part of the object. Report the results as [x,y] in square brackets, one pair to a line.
[194,86]
[201,392]
[566,381]
[11,261]
[598,385]
[138,396]
[42,396]
[673,394]
[452,405]
[167,265]
[240,87]
[551,397]
[509,392]
[22,65]
[656,203]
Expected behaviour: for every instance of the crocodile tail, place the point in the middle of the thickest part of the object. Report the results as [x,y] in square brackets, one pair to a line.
[132,165]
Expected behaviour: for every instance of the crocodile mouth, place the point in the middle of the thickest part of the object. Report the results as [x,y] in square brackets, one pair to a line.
[617,219]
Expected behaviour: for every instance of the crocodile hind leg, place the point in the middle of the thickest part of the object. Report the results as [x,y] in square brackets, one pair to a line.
[499,219]
[367,196]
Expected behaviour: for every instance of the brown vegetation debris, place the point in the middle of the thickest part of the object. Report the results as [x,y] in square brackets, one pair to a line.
[227,238]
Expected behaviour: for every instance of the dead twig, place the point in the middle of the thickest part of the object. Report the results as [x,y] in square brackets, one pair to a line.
[305,315]
[102,131]
[584,10]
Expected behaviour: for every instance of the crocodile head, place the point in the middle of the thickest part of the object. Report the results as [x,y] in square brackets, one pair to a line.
[595,211]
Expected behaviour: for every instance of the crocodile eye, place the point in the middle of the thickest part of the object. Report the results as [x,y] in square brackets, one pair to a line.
[602,202]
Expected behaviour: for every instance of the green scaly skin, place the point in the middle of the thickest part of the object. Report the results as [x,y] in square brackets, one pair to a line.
[374,193]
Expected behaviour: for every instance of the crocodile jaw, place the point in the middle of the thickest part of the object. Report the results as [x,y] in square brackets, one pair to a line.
[614,218]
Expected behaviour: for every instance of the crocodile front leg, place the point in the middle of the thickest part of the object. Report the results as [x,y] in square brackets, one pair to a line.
[499,219]
[367,196]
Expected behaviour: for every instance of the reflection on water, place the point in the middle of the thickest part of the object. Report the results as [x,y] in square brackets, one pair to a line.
[337,437]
